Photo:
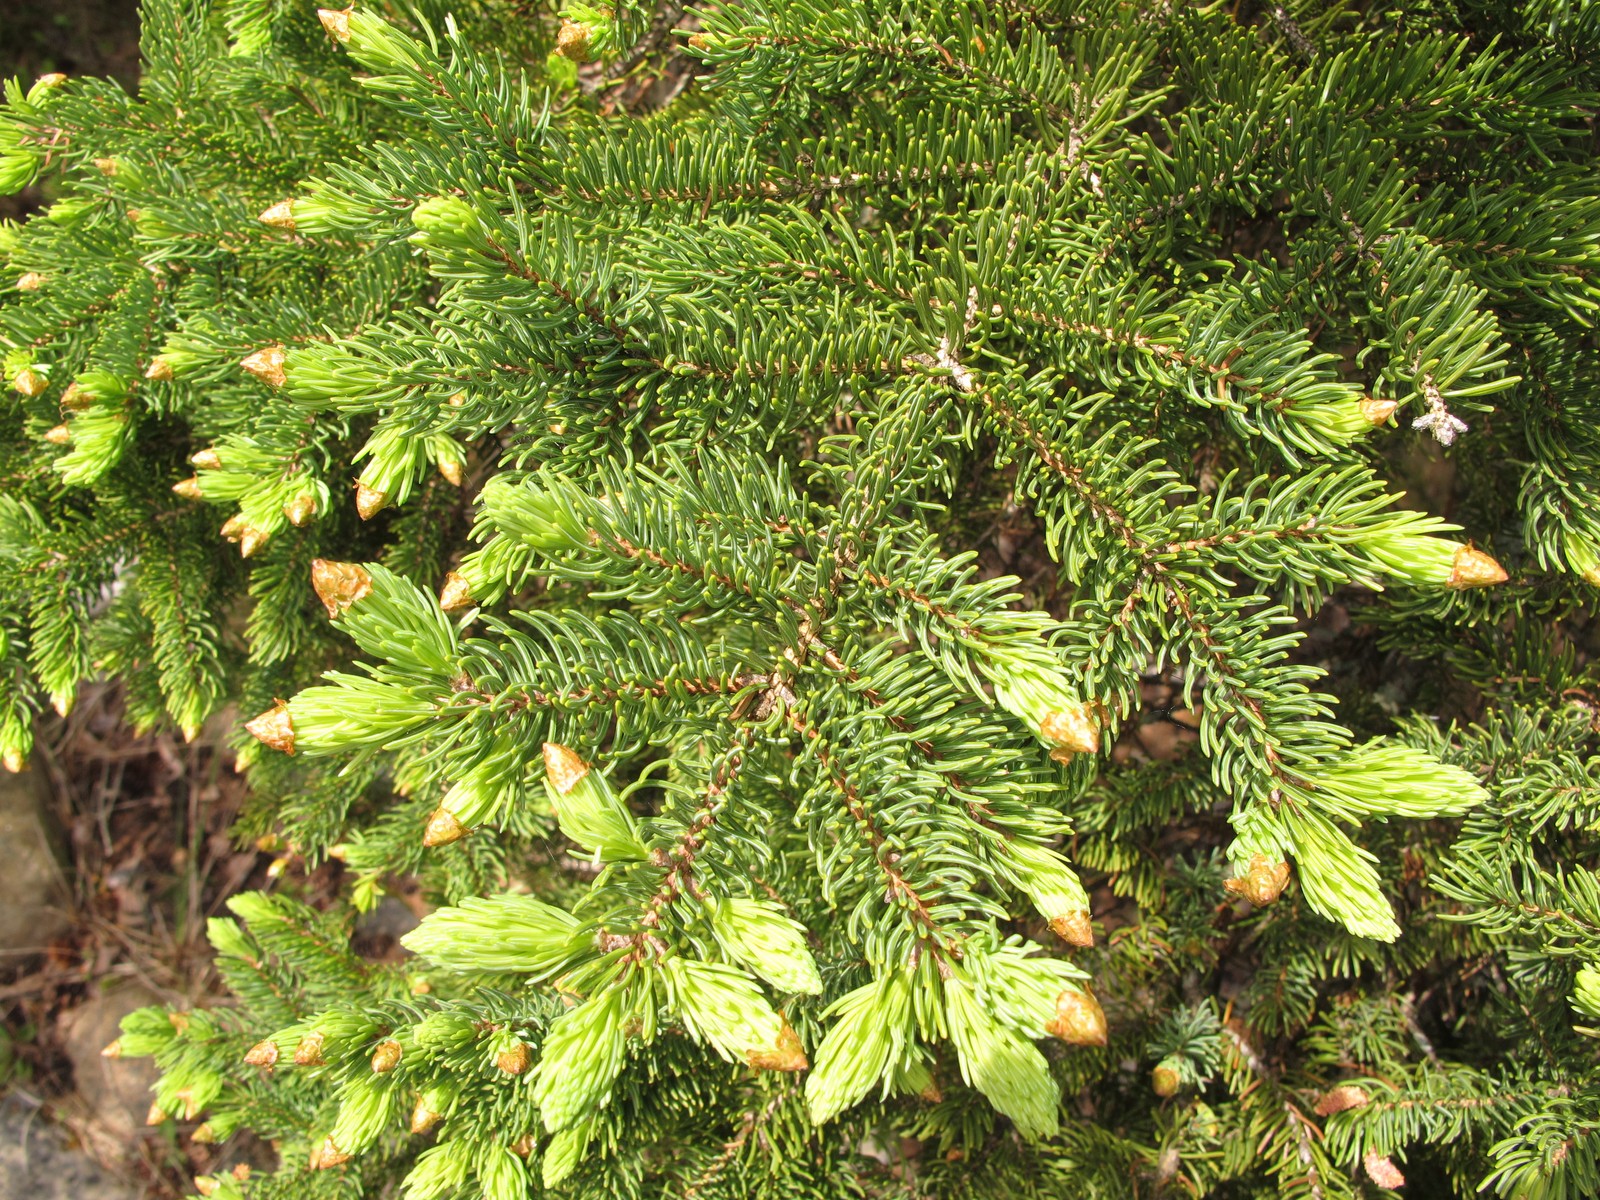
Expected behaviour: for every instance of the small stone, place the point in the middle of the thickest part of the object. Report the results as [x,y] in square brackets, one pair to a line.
[113,1092]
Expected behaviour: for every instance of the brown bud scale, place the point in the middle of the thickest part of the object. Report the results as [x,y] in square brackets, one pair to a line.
[309,1052]
[1079,1019]
[513,1060]
[339,585]
[787,1055]
[1074,929]
[263,1054]
[274,728]
[1263,881]
[369,501]
[267,365]
[563,768]
[1473,568]
[456,593]
[442,828]
[387,1056]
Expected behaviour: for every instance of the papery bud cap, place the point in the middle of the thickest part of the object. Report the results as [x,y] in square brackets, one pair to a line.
[267,365]
[1166,1079]
[1378,412]
[387,1056]
[339,585]
[456,593]
[514,1059]
[1473,568]
[563,767]
[1079,1019]
[262,1054]
[1074,929]
[327,1154]
[337,22]
[279,215]
[274,728]
[442,828]
[309,1052]
[369,501]
[301,509]
[1075,729]
[572,42]
[1262,882]
[787,1055]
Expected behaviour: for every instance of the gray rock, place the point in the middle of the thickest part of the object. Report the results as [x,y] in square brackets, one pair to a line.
[38,1163]
[34,900]
[113,1093]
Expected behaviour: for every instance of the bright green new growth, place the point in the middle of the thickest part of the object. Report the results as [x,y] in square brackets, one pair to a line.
[821,535]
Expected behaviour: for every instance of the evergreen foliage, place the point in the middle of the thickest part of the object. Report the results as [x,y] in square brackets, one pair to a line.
[628,464]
